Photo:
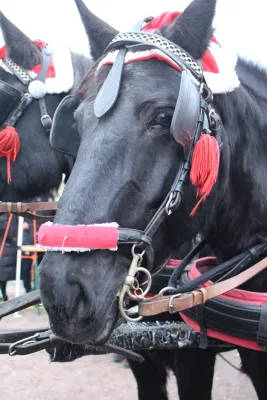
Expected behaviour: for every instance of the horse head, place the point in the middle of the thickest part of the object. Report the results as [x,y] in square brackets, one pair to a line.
[33,80]
[136,114]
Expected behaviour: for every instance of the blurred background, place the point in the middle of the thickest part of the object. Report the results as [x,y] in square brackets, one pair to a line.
[240,23]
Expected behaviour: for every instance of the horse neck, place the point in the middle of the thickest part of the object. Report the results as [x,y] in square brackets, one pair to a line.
[237,209]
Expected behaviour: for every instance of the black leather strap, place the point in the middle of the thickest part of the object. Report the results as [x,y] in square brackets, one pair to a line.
[163,44]
[108,94]
[242,261]
[46,120]
[131,236]
[262,329]
[19,303]
[47,58]
[24,103]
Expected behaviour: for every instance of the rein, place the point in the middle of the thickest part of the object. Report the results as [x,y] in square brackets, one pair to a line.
[28,210]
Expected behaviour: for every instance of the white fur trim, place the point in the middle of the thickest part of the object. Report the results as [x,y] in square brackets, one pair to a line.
[64,78]
[106,224]
[77,249]
[137,55]
[226,80]
[223,82]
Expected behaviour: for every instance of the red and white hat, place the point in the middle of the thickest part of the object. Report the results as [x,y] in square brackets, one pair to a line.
[60,75]
[217,62]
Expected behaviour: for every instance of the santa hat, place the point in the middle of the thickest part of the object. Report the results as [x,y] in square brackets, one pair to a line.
[217,62]
[60,75]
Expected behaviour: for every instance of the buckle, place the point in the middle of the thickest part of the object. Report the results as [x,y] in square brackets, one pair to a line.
[171,305]
[46,122]
[39,341]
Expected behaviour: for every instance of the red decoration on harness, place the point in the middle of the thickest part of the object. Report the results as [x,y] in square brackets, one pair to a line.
[236,295]
[204,167]
[9,147]
[78,237]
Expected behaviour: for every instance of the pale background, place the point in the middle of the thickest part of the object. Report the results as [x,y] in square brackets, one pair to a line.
[241,23]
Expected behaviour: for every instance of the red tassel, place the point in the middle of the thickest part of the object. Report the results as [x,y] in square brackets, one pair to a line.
[205,167]
[9,147]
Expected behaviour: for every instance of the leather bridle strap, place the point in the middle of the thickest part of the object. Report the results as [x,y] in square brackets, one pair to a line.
[45,117]
[174,197]
[179,302]
[27,209]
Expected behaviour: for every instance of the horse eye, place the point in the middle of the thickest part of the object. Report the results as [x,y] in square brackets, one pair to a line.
[163,119]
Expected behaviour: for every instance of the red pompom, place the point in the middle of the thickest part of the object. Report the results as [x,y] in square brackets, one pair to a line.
[204,167]
[9,146]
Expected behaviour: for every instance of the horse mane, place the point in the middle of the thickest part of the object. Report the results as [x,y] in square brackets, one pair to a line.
[239,200]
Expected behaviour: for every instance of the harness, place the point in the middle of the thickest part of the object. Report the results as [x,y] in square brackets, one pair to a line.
[14,101]
[193,116]
[235,316]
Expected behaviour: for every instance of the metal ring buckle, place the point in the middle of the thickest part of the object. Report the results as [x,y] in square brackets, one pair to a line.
[174,199]
[166,289]
[31,339]
[169,203]
[137,254]
[46,121]
[171,305]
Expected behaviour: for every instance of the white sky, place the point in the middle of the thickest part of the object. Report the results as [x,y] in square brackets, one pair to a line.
[241,23]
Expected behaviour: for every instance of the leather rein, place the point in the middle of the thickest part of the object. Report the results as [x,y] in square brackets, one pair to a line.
[28,210]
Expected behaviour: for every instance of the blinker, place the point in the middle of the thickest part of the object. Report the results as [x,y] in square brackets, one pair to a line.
[10,98]
[186,113]
[64,135]
[109,91]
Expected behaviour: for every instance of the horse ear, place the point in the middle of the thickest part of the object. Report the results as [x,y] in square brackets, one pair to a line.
[19,47]
[99,32]
[193,29]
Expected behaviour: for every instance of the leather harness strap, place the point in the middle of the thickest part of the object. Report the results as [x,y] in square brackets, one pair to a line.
[27,209]
[179,302]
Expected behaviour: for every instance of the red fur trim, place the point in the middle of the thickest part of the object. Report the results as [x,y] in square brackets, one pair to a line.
[205,167]
[208,62]
[9,147]
[162,20]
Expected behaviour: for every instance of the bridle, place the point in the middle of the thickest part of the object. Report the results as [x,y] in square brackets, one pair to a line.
[193,115]
[14,102]
[17,101]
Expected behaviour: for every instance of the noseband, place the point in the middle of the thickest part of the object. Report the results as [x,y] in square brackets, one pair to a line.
[192,116]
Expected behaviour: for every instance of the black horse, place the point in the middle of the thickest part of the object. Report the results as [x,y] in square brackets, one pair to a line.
[38,166]
[125,174]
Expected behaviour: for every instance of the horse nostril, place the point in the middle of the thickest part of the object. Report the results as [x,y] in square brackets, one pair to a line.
[76,280]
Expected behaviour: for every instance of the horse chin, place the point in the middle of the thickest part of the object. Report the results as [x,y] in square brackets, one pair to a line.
[81,333]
